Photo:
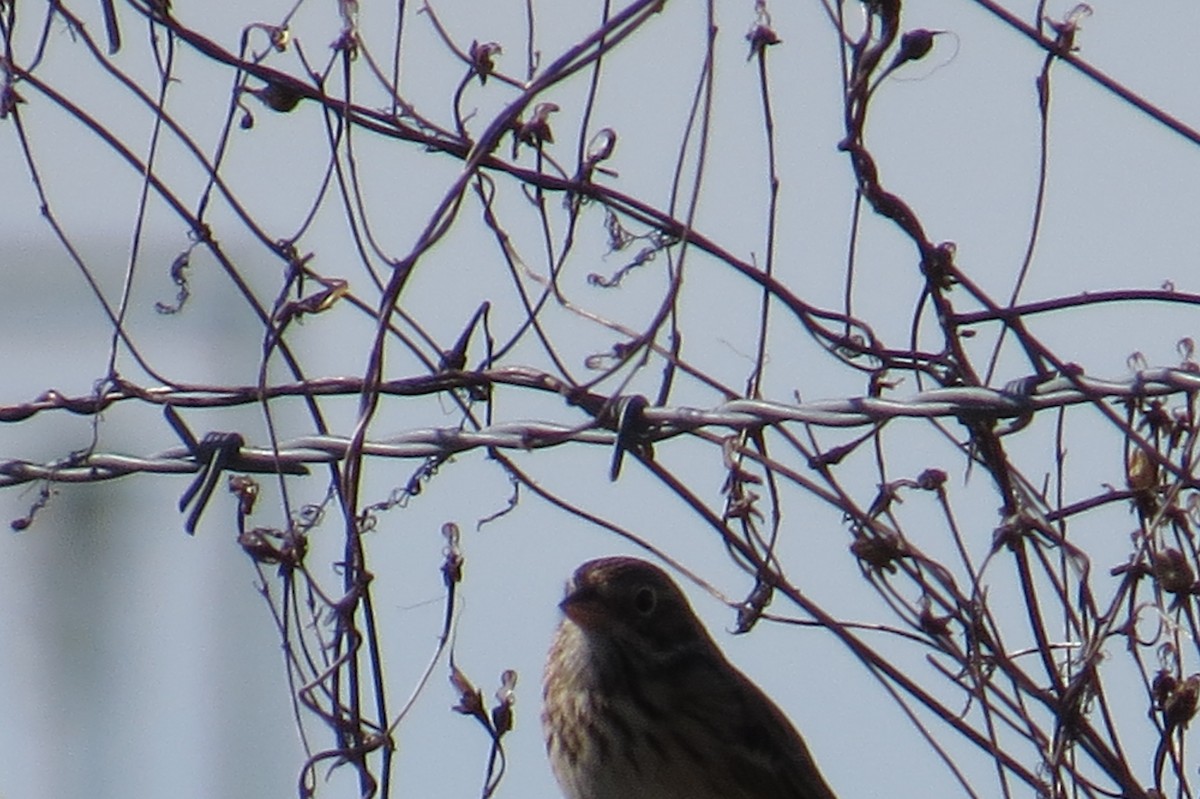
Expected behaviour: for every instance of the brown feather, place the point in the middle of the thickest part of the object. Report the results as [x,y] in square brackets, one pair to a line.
[640,701]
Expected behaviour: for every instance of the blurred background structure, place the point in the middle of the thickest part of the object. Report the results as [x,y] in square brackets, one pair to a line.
[872,320]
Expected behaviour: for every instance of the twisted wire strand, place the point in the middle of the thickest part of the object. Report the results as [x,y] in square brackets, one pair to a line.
[1015,402]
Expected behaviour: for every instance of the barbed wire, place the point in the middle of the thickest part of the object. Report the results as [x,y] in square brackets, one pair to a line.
[1010,630]
[658,423]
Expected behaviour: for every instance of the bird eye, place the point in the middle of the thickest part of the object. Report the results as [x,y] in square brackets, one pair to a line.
[645,600]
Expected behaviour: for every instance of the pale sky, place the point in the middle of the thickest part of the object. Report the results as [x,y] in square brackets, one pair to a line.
[140,661]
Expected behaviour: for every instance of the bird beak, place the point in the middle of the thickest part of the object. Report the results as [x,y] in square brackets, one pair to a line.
[582,605]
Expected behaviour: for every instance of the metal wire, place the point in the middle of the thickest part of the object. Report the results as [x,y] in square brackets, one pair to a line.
[292,456]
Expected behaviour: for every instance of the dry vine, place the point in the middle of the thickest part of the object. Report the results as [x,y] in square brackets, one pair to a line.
[476,284]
